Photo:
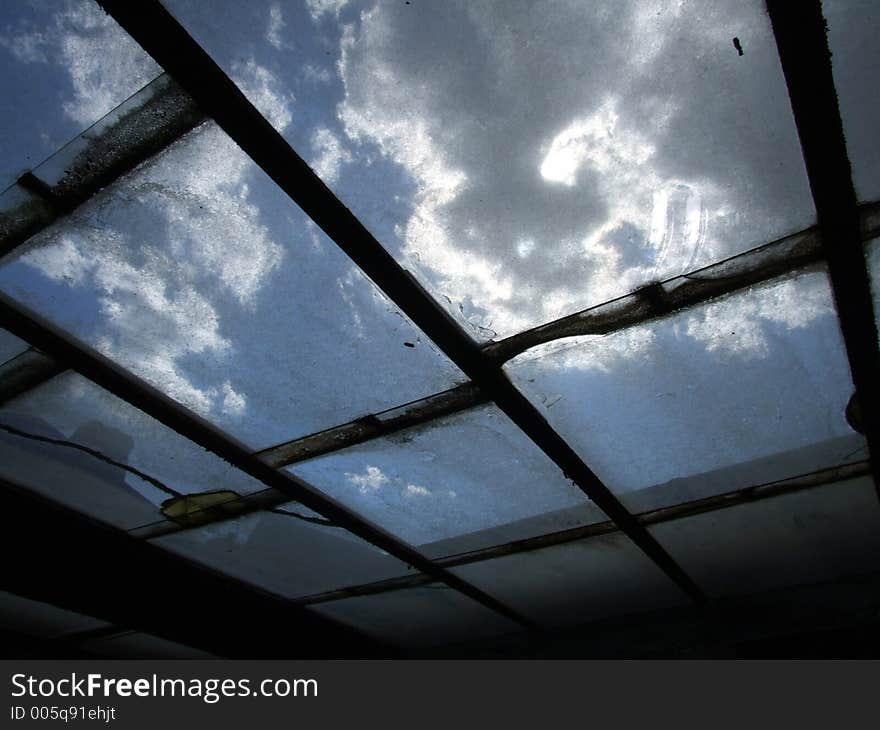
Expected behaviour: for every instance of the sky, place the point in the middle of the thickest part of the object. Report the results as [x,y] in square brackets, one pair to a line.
[523,160]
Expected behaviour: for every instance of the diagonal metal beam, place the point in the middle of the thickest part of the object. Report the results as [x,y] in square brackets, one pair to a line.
[159,33]
[374,426]
[801,37]
[31,328]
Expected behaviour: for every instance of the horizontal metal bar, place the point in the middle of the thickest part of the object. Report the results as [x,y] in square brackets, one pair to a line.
[759,265]
[713,503]
[374,426]
[31,328]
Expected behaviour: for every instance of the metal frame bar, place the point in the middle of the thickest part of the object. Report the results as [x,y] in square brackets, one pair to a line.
[801,39]
[161,36]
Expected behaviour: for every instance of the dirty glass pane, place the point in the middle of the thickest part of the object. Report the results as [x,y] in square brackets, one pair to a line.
[526,161]
[807,537]
[452,477]
[741,391]
[419,617]
[10,346]
[872,255]
[65,64]
[285,555]
[71,409]
[137,645]
[855,61]
[35,618]
[199,275]
[576,582]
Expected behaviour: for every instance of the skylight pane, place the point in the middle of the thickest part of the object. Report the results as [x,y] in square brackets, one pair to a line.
[134,644]
[453,478]
[199,275]
[526,164]
[872,256]
[741,391]
[35,618]
[576,582]
[10,346]
[65,64]
[73,410]
[803,538]
[855,62]
[285,555]
[430,615]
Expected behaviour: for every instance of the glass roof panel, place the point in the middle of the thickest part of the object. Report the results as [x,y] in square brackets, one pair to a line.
[454,476]
[741,391]
[199,275]
[135,644]
[872,256]
[10,346]
[527,164]
[72,409]
[285,555]
[37,618]
[576,582]
[801,538]
[419,617]
[855,62]
[65,64]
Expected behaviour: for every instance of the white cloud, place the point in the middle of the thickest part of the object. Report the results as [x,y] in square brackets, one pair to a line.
[276,26]
[161,289]
[319,8]
[265,92]
[540,188]
[27,47]
[331,154]
[739,326]
[369,481]
[104,64]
